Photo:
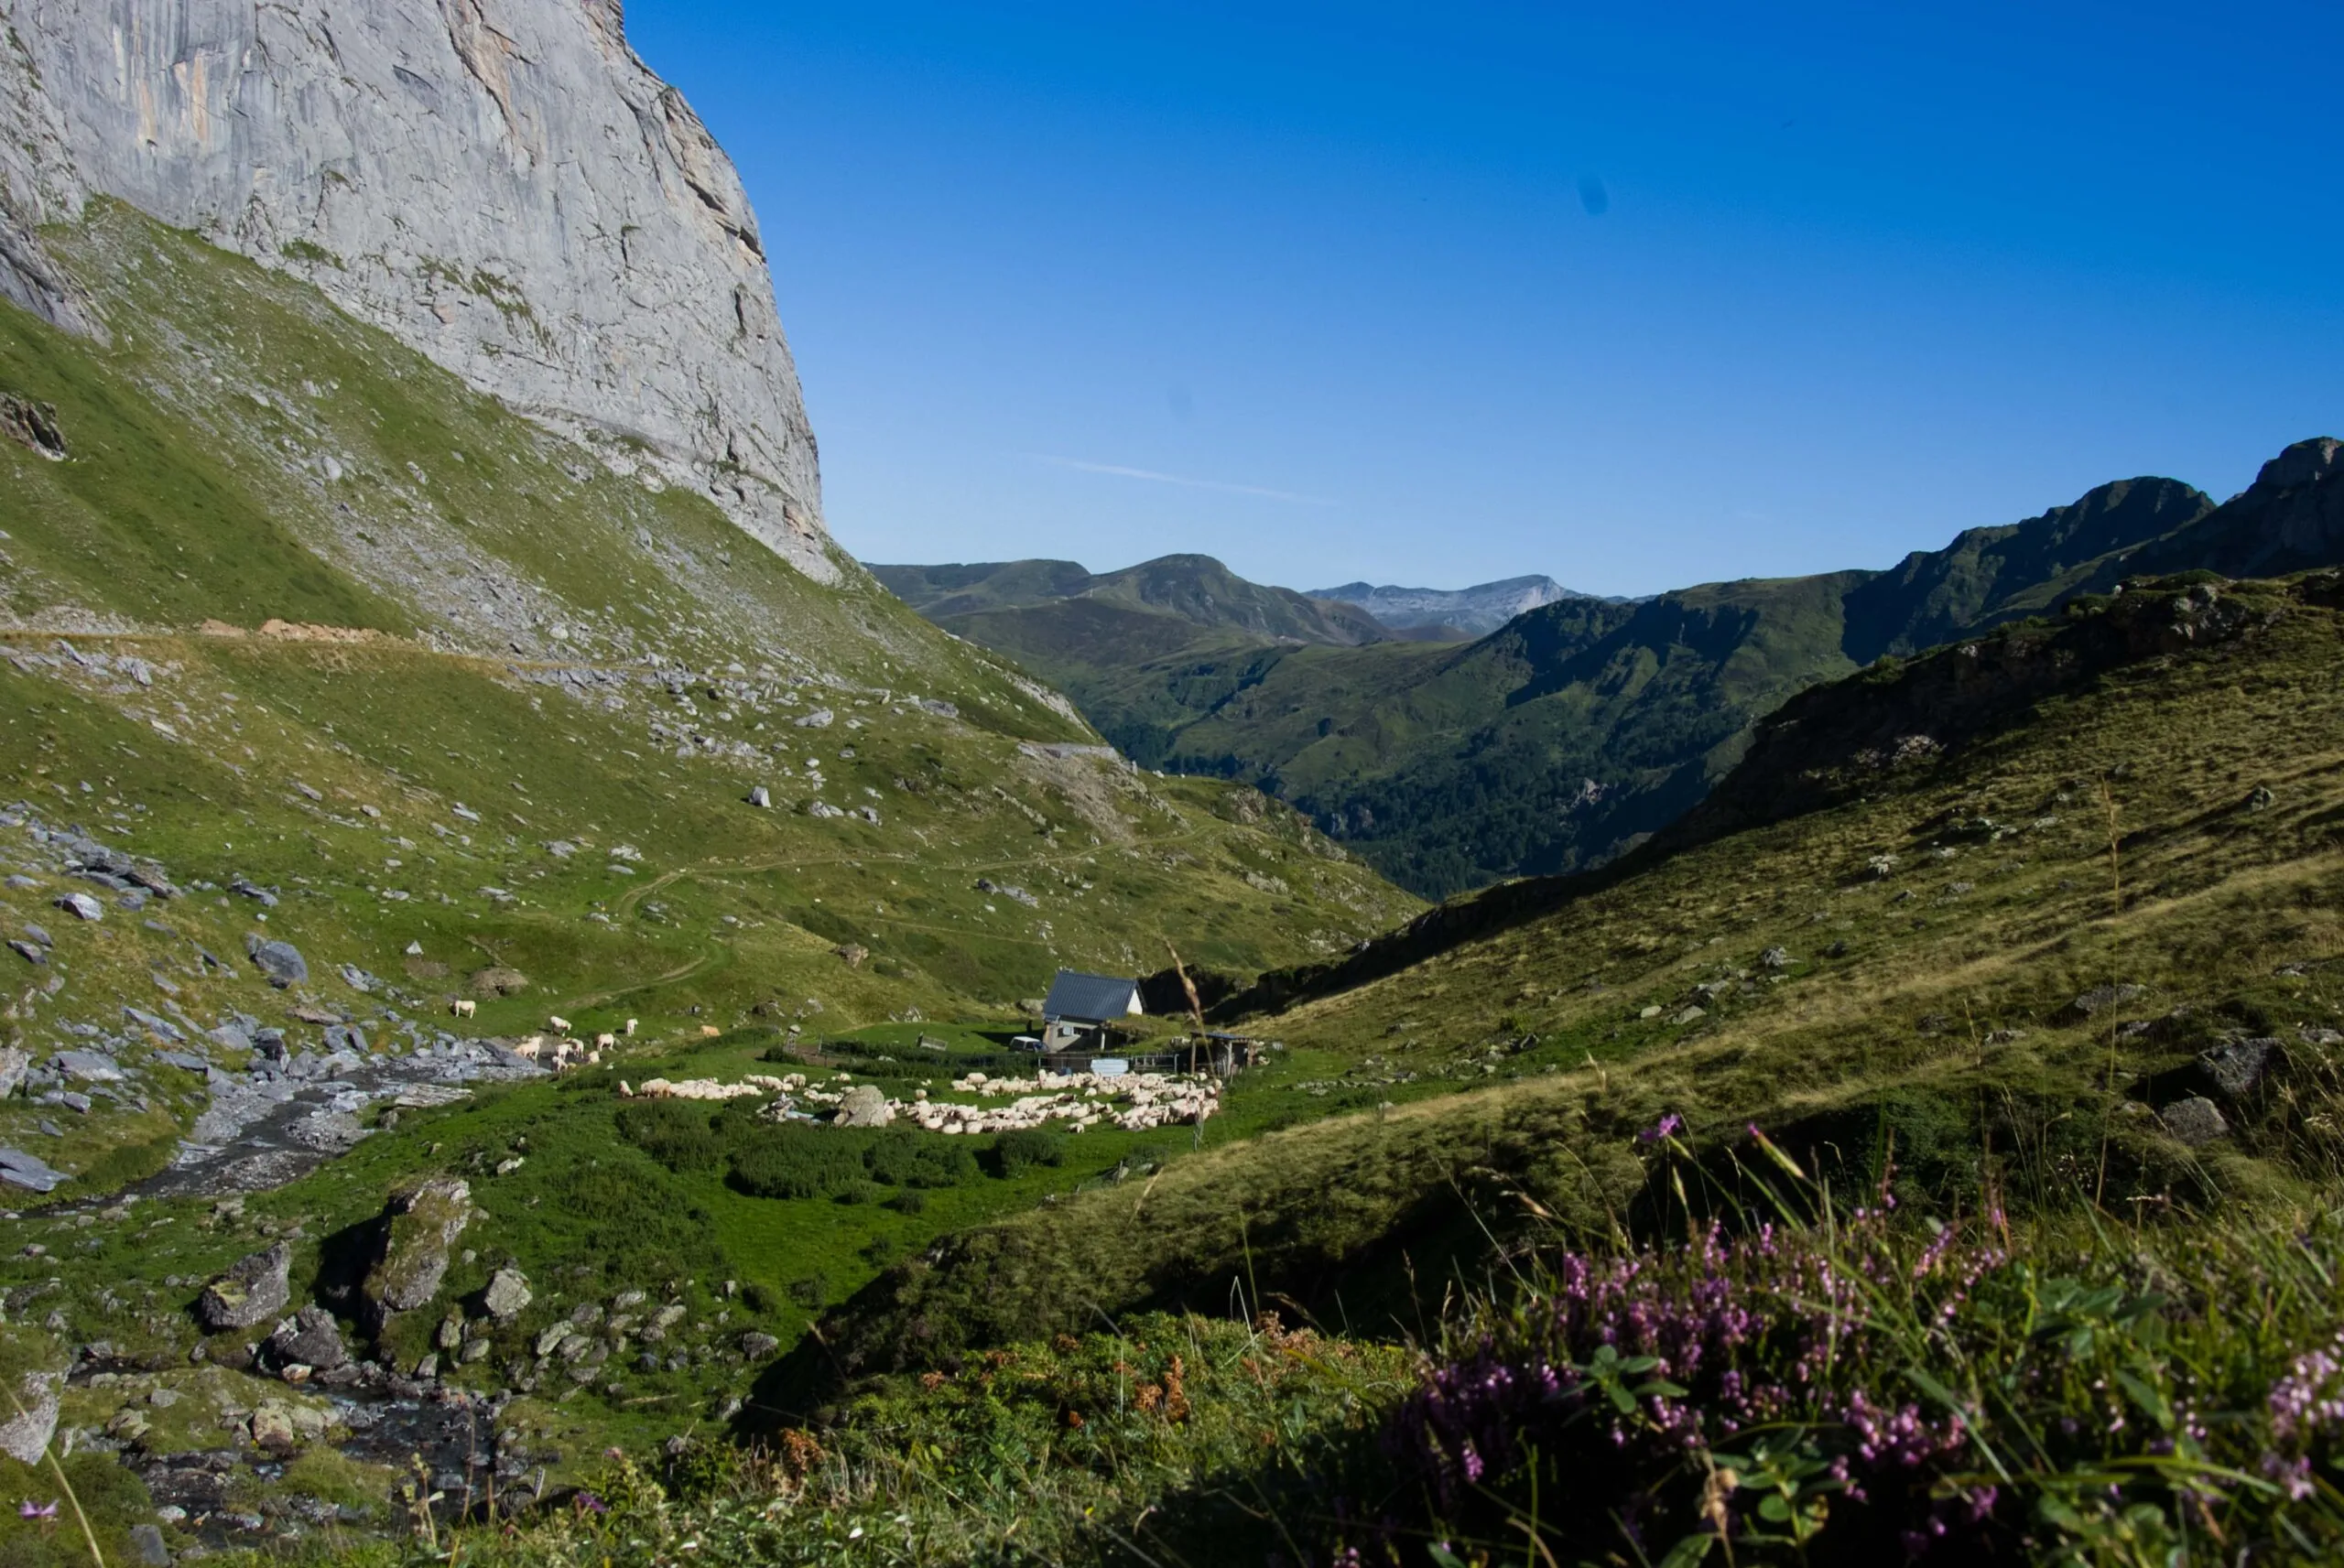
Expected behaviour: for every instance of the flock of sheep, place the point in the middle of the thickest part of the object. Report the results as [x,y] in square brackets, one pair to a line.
[1133,1102]
[560,1051]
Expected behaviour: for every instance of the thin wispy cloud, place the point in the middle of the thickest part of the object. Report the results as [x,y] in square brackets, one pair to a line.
[1152,477]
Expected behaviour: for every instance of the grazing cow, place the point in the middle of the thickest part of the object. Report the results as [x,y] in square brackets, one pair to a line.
[604,1042]
[465,1008]
[528,1049]
[558,1025]
[710,1031]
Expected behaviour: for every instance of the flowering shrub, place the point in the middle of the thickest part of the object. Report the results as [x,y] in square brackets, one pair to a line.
[1746,1387]
[1863,1391]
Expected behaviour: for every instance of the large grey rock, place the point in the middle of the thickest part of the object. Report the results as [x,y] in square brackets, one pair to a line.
[2237,1068]
[421,1225]
[507,1295]
[309,1338]
[14,1065]
[501,184]
[281,962]
[252,1289]
[28,1171]
[864,1105]
[2195,1121]
[31,1418]
[146,1539]
[95,1067]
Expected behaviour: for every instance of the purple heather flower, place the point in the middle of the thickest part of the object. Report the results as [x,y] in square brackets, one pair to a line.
[38,1511]
[1667,1126]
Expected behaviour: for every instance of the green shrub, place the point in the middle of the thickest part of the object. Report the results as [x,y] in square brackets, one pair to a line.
[794,1160]
[902,1158]
[677,1133]
[1014,1153]
[811,1290]
[911,1200]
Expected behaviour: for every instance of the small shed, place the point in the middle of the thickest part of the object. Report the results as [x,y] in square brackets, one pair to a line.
[1080,1007]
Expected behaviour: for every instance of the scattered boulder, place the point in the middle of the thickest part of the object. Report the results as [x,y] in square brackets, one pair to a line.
[28,1171]
[761,798]
[507,1295]
[1774,958]
[280,961]
[272,1428]
[33,425]
[252,1289]
[95,1066]
[864,1105]
[854,953]
[147,1541]
[2195,1121]
[309,1338]
[2100,999]
[33,1367]
[756,1347]
[498,980]
[81,906]
[422,1224]
[2237,1068]
[14,1065]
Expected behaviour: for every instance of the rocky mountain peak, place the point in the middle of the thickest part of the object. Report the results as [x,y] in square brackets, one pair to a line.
[2306,462]
[501,184]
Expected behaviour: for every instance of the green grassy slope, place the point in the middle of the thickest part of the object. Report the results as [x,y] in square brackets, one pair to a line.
[1862,942]
[527,690]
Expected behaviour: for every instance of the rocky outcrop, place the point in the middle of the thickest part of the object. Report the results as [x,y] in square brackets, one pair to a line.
[420,1228]
[2290,518]
[501,184]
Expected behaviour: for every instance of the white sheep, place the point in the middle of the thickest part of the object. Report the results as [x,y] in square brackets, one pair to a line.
[558,1025]
[629,1031]
[463,1008]
[604,1042]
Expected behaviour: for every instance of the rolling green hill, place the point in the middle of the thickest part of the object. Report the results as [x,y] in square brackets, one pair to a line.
[1574,731]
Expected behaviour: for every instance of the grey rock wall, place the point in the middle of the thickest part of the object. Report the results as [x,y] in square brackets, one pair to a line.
[500,183]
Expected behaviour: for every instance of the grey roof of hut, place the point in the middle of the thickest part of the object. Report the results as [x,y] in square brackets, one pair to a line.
[1090,999]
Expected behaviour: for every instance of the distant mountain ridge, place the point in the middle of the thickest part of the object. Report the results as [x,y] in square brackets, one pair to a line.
[1195,588]
[1475,612]
[1582,726]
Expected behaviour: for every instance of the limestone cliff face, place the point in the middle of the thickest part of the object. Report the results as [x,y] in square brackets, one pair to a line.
[500,183]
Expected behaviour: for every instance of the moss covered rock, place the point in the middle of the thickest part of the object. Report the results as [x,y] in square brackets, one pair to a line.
[421,1228]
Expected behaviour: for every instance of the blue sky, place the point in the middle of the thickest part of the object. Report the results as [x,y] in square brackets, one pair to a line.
[1634,295]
